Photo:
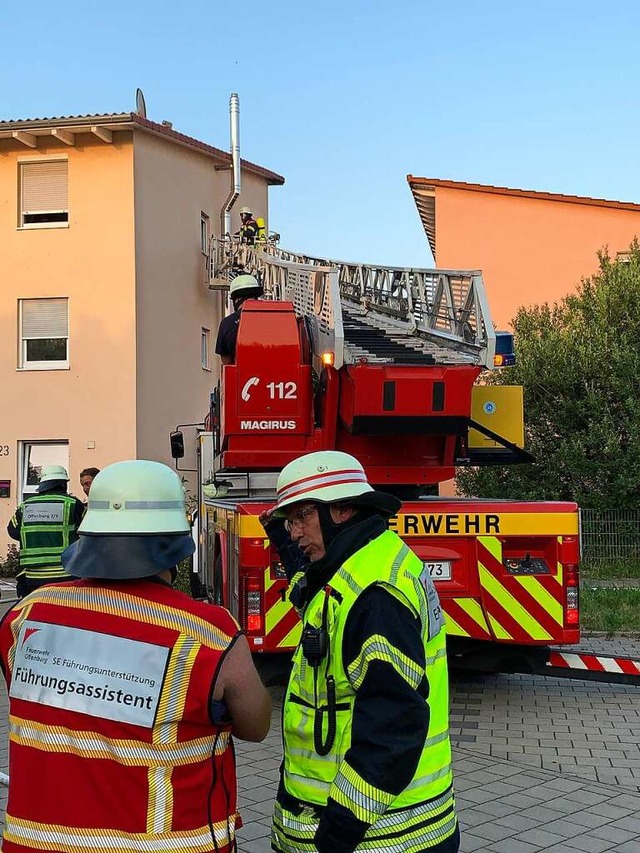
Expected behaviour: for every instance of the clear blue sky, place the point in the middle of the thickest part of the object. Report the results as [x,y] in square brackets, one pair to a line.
[345,98]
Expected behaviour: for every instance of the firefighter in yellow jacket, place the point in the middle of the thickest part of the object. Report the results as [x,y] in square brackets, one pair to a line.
[367,756]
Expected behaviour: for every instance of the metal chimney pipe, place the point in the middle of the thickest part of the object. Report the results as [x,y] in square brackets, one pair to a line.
[236,185]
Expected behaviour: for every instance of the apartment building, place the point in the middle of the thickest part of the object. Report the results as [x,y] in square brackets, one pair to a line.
[531,246]
[107,320]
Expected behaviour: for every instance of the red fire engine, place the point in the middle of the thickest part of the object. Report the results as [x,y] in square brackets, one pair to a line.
[382,363]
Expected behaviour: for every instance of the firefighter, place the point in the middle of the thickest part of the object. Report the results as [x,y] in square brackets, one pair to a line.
[142,687]
[45,524]
[249,229]
[242,287]
[367,756]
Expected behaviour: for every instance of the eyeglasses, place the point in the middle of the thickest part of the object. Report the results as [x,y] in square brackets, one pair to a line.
[298,519]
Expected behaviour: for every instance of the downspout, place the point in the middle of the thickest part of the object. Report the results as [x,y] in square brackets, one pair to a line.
[234,192]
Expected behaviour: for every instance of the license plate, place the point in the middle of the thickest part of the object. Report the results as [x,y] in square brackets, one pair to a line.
[440,570]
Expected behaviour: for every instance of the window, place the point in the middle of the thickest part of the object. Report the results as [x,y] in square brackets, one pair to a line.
[204,349]
[36,454]
[204,233]
[44,333]
[43,194]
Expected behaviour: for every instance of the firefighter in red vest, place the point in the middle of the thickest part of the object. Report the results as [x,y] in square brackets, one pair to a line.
[123,692]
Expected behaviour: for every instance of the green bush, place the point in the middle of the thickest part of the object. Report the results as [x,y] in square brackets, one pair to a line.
[183,582]
[10,566]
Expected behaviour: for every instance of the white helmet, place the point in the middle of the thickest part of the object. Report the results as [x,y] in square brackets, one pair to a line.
[136,497]
[243,282]
[245,210]
[330,476]
[53,472]
[325,476]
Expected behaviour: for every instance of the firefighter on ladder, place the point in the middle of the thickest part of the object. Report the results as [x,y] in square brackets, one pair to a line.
[249,230]
[142,687]
[242,287]
[367,756]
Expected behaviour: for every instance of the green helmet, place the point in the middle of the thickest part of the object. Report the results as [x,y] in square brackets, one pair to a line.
[136,497]
[53,472]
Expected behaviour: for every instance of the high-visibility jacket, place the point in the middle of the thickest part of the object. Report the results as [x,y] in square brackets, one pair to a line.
[315,768]
[111,743]
[47,527]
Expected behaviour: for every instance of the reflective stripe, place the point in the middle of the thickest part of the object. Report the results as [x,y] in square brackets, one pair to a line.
[154,505]
[138,504]
[421,781]
[117,603]
[391,819]
[170,710]
[353,792]
[401,831]
[320,481]
[378,648]
[131,753]
[439,655]
[61,838]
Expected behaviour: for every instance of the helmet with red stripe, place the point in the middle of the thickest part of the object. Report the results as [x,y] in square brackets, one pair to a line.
[329,476]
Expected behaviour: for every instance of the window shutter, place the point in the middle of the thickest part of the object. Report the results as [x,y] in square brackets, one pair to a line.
[43,186]
[45,318]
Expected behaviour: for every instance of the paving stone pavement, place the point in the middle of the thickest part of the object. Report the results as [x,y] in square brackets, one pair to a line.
[506,805]
[541,764]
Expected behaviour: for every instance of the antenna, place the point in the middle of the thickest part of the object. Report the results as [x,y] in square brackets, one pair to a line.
[141,107]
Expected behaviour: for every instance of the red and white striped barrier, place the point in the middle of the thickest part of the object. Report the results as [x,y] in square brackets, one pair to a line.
[593,663]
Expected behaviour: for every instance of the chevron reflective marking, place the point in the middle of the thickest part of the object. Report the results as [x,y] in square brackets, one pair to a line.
[506,613]
[521,601]
[282,623]
[547,600]
[594,663]
[453,628]
[464,618]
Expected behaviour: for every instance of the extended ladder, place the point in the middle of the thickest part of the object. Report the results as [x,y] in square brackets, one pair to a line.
[373,313]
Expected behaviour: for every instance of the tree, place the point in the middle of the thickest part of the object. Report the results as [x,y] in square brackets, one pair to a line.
[579,364]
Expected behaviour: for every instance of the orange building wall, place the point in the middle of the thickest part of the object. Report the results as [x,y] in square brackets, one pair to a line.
[92,263]
[530,250]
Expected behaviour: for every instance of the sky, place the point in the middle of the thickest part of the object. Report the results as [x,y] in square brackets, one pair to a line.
[346,98]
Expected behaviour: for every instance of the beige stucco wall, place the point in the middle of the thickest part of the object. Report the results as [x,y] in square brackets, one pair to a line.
[92,263]
[530,250]
[173,186]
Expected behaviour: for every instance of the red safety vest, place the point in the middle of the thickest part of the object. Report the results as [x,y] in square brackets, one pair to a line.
[111,746]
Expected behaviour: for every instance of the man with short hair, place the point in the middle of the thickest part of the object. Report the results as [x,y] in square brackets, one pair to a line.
[86,478]
[45,524]
[124,693]
[367,756]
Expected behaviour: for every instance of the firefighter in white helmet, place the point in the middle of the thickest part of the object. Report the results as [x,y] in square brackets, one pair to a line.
[143,685]
[367,757]
[242,287]
[44,525]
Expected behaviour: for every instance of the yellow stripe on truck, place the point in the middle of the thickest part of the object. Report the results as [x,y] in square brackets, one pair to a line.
[485,524]
[463,524]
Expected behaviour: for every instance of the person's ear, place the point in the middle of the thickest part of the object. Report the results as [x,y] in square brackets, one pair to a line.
[341,513]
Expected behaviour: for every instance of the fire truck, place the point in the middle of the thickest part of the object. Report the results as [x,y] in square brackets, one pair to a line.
[387,364]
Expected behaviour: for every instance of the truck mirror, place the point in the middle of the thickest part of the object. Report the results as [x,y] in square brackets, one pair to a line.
[177,444]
